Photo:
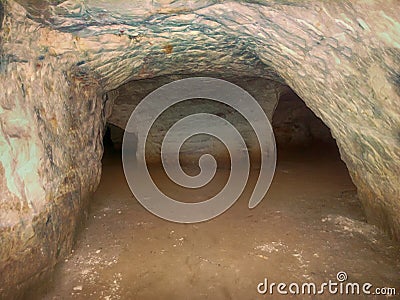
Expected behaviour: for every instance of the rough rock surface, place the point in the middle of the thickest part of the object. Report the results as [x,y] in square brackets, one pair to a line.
[265,91]
[295,125]
[50,149]
[58,57]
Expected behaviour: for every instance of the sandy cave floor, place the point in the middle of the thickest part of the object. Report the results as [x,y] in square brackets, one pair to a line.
[309,227]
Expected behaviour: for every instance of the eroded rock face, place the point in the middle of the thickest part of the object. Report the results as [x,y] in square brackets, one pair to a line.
[59,57]
[50,151]
[265,91]
[295,125]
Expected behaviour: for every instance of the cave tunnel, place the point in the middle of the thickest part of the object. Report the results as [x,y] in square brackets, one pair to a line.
[324,74]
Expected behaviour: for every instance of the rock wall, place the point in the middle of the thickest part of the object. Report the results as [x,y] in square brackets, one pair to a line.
[50,150]
[58,57]
[265,91]
[296,126]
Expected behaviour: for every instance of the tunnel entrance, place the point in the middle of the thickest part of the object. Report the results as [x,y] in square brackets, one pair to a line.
[309,227]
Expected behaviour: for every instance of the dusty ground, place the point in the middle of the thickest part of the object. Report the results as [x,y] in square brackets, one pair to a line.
[309,228]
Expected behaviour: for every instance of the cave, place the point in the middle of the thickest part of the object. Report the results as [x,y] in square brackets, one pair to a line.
[326,76]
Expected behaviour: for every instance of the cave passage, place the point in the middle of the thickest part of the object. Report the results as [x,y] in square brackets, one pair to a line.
[72,69]
[309,227]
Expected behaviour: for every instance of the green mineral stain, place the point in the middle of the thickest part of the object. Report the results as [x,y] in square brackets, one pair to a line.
[395,24]
[362,24]
[388,39]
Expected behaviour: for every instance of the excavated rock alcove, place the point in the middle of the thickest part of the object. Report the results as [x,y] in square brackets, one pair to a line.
[61,63]
[266,92]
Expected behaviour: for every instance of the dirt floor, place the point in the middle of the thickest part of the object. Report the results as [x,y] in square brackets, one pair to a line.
[309,227]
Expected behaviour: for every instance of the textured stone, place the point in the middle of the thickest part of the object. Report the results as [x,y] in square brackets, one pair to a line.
[50,150]
[295,125]
[265,91]
[57,59]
